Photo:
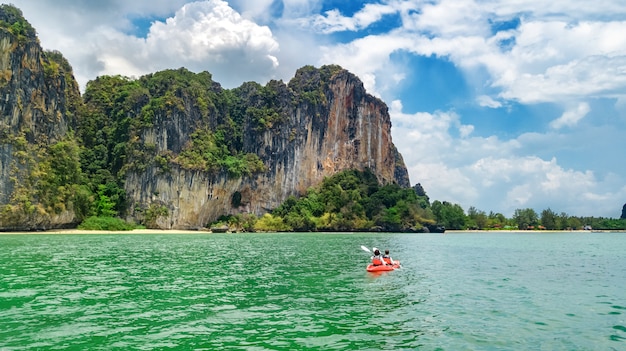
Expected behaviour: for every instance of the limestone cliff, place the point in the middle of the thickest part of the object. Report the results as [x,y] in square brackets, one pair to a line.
[172,149]
[327,123]
[37,95]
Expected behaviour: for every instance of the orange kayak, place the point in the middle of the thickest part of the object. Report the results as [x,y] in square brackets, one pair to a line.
[383,268]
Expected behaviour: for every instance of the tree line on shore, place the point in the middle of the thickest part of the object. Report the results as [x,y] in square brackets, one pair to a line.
[454,217]
[355,201]
[351,200]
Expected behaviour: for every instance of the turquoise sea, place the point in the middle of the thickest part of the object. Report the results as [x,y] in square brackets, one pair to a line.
[457,291]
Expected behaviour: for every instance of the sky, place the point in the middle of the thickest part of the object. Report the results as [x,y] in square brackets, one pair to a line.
[495,104]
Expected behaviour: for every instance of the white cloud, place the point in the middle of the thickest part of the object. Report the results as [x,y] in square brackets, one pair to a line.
[203,35]
[256,10]
[548,59]
[369,59]
[450,18]
[571,117]
[560,50]
[300,8]
[488,101]
[334,21]
[591,76]
[211,34]
[571,9]
[498,175]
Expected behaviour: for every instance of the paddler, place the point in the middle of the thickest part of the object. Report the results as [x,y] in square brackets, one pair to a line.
[377,259]
[387,258]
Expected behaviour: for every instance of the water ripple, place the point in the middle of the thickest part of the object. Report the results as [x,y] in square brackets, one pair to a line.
[279,291]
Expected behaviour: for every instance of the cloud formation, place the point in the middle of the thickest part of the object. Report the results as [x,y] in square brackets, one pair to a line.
[540,59]
[199,35]
[571,117]
[493,174]
[212,34]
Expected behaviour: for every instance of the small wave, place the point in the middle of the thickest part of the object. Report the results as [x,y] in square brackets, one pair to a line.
[19,293]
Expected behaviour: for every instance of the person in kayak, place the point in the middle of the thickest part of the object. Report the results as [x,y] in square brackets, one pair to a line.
[377,259]
[387,258]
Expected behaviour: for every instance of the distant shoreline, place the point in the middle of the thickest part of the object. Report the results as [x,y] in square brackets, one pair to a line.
[189,231]
[134,231]
[535,231]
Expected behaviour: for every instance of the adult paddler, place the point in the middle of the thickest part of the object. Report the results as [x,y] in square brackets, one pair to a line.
[377,259]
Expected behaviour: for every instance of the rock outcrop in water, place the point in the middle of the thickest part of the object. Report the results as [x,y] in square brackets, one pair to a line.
[271,141]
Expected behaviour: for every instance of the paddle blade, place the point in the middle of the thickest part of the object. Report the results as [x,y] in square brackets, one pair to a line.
[365,249]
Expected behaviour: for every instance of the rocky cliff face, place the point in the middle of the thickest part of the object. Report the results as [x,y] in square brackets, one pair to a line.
[36,93]
[329,124]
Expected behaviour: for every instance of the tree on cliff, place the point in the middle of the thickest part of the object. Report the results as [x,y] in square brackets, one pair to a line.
[13,20]
[354,200]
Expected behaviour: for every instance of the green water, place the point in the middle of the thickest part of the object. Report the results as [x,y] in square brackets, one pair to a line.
[311,292]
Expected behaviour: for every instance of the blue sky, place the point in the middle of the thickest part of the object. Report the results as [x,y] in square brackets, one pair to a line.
[495,104]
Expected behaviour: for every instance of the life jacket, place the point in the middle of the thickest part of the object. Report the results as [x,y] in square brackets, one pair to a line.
[377,261]
[387,259]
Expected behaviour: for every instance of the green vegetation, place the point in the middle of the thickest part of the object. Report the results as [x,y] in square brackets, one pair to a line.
[354,201]
[241,223]
[349,201]
[13,20]
[105,223]
[54,64]
[153,214]
[453,217]
[114,134]
[449,215]
[119,111]
[208,151]
[311,83]
[47,182]
[271,223]
[265,105]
